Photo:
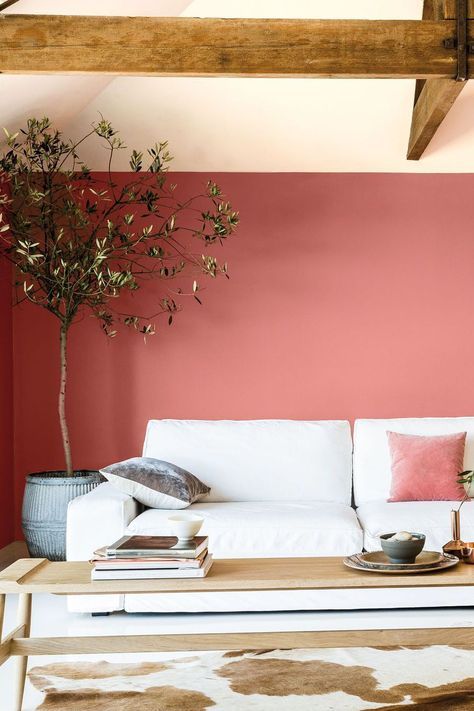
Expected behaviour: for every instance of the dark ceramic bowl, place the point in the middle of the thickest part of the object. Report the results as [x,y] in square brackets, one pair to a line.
[402,551]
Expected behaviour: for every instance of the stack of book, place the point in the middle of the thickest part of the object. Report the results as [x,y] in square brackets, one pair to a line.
[149,557]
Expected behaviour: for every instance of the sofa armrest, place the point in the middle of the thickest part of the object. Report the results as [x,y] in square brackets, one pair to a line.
[97,519]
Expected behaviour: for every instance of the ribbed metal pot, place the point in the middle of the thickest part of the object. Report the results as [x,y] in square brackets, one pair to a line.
[45,502]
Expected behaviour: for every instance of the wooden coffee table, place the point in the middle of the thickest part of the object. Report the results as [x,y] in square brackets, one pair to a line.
[38,575]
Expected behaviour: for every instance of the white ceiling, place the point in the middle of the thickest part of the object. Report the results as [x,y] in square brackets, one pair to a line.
[247,124]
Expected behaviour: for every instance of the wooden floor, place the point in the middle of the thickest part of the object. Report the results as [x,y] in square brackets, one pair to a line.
[14,551]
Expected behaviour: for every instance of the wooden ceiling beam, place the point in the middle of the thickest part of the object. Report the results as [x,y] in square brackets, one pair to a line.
[7,3]
[432,10]
[449,9]
[433,97]
[156,46]
[434,102]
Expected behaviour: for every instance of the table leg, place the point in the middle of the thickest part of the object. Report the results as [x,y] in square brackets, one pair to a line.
[23,618]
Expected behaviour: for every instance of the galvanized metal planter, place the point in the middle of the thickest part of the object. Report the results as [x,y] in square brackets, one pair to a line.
[45,502]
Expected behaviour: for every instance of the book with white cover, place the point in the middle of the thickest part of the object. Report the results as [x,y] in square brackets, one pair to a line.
[153,574]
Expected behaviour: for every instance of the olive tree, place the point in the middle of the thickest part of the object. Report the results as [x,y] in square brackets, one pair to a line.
[78,240]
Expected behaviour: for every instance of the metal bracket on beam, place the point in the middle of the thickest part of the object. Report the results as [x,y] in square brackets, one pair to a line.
[460,42]
[461,32]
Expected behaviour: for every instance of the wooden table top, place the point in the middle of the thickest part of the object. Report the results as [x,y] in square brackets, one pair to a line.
[35,575]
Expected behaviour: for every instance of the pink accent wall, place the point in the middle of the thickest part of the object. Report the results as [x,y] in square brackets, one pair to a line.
[350,296]
[6,408]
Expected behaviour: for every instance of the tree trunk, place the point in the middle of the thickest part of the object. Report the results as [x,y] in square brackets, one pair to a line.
[62,402]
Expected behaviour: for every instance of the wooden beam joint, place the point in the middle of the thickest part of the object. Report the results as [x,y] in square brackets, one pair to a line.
[435,97]
[448,8]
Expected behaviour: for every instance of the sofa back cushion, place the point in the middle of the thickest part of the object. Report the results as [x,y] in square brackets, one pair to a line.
[259,460]
[372,462]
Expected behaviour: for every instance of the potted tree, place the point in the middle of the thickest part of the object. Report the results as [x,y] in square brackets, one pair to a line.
[77,241]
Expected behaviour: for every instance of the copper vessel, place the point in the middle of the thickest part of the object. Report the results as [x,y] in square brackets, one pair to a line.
[462,550]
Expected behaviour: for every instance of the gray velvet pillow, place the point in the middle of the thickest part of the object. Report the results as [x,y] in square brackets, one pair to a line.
[158,484]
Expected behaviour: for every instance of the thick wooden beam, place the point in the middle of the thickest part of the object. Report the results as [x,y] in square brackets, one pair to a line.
[434,102]
[449,9]
[7,3]
[158,46]
[432,10]
[433,97]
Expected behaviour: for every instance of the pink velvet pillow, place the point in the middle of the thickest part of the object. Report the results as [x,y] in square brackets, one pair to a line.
[426,468]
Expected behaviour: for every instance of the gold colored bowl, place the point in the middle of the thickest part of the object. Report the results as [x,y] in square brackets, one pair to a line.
[463,551]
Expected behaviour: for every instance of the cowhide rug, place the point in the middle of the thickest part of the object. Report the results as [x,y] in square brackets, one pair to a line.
[426,679]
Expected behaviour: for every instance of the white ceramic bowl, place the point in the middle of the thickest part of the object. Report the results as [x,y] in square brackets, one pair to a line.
[185,525]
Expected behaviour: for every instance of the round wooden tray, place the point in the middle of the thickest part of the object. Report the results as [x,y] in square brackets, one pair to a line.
[378,562]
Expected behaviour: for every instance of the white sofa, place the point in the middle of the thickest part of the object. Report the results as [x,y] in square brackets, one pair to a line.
[279,488]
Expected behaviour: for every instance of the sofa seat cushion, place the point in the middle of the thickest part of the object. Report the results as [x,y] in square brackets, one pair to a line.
[266,529]
[429,517]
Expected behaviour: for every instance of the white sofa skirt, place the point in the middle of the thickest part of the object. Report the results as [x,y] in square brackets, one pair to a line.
[316,600]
